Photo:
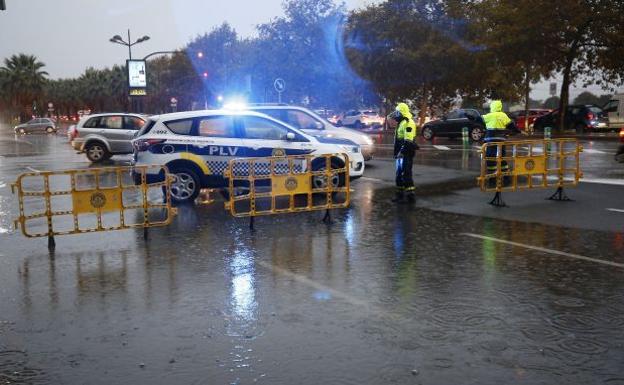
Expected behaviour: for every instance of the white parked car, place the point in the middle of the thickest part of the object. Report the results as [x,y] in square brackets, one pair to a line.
[196,146]
[311,123]
[361,119]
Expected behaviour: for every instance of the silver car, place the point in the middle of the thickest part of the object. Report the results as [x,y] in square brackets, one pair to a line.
[37,125]
[312,124]
[100,136]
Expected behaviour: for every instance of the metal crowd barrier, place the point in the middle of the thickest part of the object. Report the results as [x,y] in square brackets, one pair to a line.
[287,184]
[528,164]
[92,200]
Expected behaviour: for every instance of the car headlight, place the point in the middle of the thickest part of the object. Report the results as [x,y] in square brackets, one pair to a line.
[367,139]
[353,149]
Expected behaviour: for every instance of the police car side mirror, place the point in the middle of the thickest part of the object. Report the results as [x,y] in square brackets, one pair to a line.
[290,136]
[319,125]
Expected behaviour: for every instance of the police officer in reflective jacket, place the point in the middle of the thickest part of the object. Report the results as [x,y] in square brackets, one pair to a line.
[404,149]
[496,124]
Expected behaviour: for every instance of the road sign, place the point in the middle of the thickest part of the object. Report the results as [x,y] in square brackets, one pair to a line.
[280,85]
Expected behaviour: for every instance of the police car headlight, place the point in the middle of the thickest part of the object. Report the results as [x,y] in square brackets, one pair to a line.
[353,149]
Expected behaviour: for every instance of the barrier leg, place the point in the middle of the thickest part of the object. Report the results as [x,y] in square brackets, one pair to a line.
[498,200]
[559,195]
[327,217]
[145,233]
[51,243]
[251,223]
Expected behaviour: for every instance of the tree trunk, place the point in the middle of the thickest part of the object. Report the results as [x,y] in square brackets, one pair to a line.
[527,92]
[565,85]
[422,109]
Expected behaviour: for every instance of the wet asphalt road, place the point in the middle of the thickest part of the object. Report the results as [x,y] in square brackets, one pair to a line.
[418,294]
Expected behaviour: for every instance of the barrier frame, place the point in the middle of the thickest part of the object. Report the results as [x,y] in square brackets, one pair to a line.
[279,190]
[539,155]
[102,199]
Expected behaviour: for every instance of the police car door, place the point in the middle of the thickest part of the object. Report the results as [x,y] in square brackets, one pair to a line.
[219,142]
[263,137]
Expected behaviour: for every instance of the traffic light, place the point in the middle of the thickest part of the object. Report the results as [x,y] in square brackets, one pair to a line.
[2,5]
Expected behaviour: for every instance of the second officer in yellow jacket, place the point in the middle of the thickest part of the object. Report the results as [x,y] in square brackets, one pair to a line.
[404,150]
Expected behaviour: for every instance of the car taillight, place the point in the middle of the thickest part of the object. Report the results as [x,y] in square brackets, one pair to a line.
[622,134]
[73,132]
[590,116]
[144,144]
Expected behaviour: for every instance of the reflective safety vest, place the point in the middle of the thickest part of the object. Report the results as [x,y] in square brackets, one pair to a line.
[495,121]
[406,130]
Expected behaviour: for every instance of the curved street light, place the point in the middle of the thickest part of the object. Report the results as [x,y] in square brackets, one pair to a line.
[119,40]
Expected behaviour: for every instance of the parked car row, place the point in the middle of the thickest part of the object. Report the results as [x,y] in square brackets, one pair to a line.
[581,118]
[524,120]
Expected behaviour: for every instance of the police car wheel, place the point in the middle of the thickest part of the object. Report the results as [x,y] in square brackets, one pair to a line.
[321,181]
[185,185]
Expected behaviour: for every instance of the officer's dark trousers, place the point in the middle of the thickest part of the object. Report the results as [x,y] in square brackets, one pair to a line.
[404,179]
[492,136]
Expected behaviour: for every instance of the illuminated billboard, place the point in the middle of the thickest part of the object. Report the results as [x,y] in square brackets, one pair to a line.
[137,77]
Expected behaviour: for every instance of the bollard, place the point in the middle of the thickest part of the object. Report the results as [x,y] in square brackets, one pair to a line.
[547,136]
[465,139]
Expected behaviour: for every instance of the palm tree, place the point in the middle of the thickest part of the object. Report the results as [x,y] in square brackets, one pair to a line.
[22,80]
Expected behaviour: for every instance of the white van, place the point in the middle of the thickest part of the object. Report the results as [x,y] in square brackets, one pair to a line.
[614,109]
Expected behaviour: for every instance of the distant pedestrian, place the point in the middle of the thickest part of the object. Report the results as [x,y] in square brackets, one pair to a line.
[404,151]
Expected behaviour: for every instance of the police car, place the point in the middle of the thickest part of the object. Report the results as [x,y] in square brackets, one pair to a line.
[197,145]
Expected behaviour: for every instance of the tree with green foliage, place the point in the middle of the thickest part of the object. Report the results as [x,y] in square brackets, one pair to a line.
[22,80]
[588,43]
[551,103]
[508,30]
[411,50]
[587,97]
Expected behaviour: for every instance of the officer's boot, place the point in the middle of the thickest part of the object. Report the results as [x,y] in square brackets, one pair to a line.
[409,193]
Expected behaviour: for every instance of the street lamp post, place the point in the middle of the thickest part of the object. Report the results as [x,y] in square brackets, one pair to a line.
[119,40]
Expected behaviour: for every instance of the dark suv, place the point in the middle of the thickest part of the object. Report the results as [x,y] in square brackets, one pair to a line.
[584,117]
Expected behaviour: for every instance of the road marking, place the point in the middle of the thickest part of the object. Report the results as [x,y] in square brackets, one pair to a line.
[308,282]
[374,179]
[32,169]
[616,210]
[437,147]
[615,182]
[545,250]
[592,151]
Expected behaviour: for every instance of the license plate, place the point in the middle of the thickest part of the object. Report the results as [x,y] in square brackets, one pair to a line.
[602,124]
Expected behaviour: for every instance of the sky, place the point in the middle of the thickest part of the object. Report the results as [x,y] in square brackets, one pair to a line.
[71,35]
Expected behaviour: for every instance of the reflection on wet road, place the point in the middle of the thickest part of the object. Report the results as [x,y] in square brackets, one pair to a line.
[385,294]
